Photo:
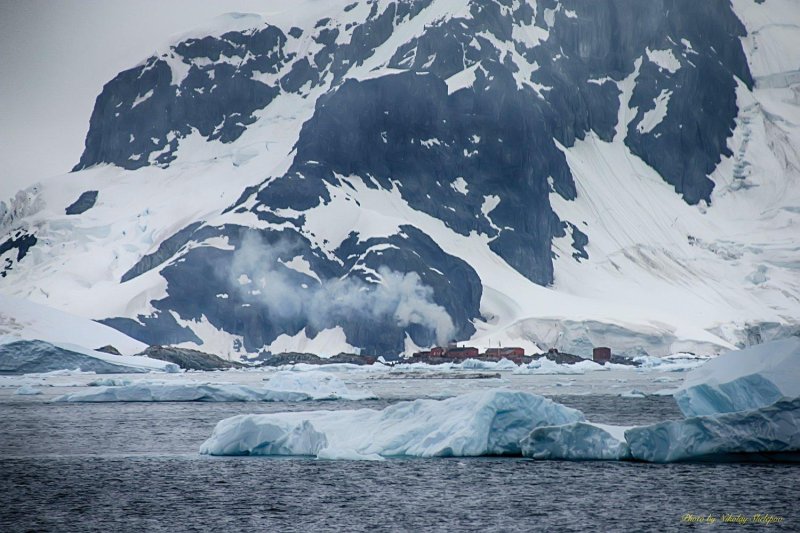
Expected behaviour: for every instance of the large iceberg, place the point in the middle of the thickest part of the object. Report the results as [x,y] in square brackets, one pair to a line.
[775,428]
[281,387]
[481,423]
[744,379]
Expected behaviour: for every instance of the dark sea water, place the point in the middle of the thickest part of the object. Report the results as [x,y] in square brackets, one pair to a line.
[135,467]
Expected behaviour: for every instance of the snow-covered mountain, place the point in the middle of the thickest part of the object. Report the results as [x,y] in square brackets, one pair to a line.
[378,175]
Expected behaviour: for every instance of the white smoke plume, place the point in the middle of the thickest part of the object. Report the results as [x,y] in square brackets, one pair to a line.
[257,272]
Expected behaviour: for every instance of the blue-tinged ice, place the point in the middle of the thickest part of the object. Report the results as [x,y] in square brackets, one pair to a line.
[744,379]
[481,423]
[580,441]
[280,387]
[775,428]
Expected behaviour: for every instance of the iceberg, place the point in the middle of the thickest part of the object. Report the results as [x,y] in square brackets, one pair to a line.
[165,392]
[744,379]
[27,390]
[545,366]
[772,429]
[579,441]
[313,386]
[775,428]
[480,423]
[282,387]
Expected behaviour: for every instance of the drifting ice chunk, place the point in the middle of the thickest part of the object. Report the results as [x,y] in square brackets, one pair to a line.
[547,367]
[580,441]
[775,428]
[745,379]
[314,386]
[481,423]
[27,390]
[165,392]
[282,387]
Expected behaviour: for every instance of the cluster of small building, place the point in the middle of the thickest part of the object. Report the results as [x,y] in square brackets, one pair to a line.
[452,354]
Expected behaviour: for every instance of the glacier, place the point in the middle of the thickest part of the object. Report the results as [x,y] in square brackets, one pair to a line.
[744,379]
[36,356]
[480,423]
[281,387]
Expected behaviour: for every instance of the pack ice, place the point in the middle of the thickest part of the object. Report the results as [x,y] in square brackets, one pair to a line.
[480,423]
[745,379]
[281,387]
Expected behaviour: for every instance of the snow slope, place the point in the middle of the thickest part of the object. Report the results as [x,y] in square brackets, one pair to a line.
[23,319]
[309,227]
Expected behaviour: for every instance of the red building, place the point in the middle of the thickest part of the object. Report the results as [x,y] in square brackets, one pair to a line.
[601,355]
[461,353]
[505,352]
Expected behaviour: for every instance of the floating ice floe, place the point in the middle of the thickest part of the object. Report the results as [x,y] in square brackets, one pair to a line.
[27,390]
[481,423]
[282,387]
[545,366]
[313,386]
[745,379]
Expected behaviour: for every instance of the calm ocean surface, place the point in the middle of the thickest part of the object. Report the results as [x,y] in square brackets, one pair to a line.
[135,467]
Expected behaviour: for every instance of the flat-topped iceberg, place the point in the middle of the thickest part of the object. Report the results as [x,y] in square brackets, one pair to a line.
[281,387]
[481,423]
[744,379]
[166,392]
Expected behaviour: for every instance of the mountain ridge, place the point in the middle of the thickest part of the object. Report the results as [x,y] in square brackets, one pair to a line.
[403,174]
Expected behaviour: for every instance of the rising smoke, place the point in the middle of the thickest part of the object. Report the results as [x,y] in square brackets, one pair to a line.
[402,297]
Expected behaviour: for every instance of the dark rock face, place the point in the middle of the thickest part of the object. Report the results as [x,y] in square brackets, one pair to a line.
[289,358]
[20,241]
[189,359]
[142,114]
[166,249]
[292,301]
[482,157]
[108,349]
[22,357]
[84,202]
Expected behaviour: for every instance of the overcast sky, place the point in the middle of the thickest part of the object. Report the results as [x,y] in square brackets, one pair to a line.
[56,56]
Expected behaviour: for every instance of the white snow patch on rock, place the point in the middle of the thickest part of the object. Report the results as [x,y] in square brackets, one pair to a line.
[665,59]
